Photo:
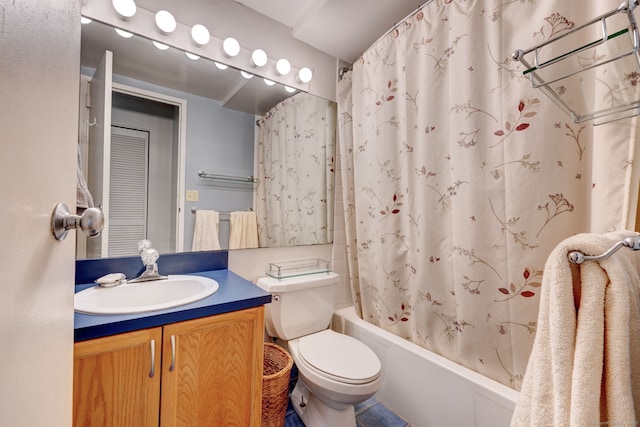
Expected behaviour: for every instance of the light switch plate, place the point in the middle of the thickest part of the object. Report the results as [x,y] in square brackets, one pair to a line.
[192,195]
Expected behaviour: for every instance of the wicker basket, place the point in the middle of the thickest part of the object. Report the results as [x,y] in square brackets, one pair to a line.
[275,385]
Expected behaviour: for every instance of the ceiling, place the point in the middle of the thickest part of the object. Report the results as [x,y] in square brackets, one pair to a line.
[341,28]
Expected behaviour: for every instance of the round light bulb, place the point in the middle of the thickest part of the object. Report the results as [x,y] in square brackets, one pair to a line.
[200,35]
[246,75]
[283,67]
[191,56]
[259,58]
[220,66]
[84,20]
[125,8]
[269,82]
[160,46]
[123,33]
[231,47]
[305,75]
[165,21]
[289,89]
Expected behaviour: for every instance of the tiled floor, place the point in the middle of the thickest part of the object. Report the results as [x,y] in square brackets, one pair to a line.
[369,413]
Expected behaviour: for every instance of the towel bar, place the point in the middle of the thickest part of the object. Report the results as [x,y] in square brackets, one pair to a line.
[229,178]
[578,257]
[195,209]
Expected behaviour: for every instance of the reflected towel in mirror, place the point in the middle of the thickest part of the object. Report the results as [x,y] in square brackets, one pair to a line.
[84,199]
[243,230]
[205,231]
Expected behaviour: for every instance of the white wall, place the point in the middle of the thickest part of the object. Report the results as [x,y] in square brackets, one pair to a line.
[339,256]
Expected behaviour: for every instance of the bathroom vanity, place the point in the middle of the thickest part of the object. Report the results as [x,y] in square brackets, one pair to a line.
[196,364]
[206,371]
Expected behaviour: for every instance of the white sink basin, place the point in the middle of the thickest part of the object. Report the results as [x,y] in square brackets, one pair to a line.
[144,296]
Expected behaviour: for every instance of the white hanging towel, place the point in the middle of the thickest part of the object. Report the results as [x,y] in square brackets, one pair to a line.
[243,230]
[584,368]
[205,231]
[83,195]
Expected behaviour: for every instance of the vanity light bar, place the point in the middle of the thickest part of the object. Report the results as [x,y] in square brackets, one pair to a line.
[200,35]
[231,47]
[125,8]
[283,67]
[123,33]
[259,58]
[164,23]
[305,75]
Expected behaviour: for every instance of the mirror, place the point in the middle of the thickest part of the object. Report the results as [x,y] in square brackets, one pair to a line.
[210,119]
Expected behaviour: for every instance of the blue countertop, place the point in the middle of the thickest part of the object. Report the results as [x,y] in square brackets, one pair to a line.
[235,293]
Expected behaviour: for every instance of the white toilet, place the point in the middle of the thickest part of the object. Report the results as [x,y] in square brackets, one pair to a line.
[335,371]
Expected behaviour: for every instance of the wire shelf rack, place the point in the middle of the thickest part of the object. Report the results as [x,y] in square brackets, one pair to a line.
[598,81]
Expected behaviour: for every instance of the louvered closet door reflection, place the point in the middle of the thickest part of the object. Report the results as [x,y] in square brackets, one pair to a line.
[128,190]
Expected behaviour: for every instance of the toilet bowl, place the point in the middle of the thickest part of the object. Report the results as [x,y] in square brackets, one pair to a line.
[335,371]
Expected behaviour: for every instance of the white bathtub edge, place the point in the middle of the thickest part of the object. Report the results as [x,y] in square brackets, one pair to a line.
[489,403]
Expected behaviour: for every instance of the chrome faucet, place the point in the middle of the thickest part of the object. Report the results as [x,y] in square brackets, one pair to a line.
[149,257]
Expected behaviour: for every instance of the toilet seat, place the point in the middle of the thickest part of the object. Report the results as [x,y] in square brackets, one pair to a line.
[339,357]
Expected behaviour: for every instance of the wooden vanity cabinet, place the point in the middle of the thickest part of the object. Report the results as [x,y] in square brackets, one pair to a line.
[217,375]
[208,372]
[112,380]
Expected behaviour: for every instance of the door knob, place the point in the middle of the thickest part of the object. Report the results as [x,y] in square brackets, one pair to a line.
[91,222]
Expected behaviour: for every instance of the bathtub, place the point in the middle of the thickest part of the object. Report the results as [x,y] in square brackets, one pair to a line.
[426,389]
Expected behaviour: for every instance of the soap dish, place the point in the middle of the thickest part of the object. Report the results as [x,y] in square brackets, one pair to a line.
[110,280]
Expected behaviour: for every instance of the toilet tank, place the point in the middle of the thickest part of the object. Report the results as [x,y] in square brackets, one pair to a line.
[301,305]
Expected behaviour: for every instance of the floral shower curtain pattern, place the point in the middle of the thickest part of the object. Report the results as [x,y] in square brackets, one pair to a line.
[459,178]
[296,154]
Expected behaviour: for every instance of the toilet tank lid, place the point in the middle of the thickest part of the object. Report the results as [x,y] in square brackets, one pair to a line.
[297,283]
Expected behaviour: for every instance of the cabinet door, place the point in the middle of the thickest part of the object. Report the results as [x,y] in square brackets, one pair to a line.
[116,381]
[214,376]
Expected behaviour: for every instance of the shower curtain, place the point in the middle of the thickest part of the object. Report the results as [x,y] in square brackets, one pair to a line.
[296,154]
[459,178]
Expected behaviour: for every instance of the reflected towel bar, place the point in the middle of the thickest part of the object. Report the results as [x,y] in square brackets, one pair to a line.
[229,178]
[578,257]
[195,209]
[225,218]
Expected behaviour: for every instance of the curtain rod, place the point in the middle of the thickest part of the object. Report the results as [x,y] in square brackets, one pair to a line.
[397,24]
[343,70]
